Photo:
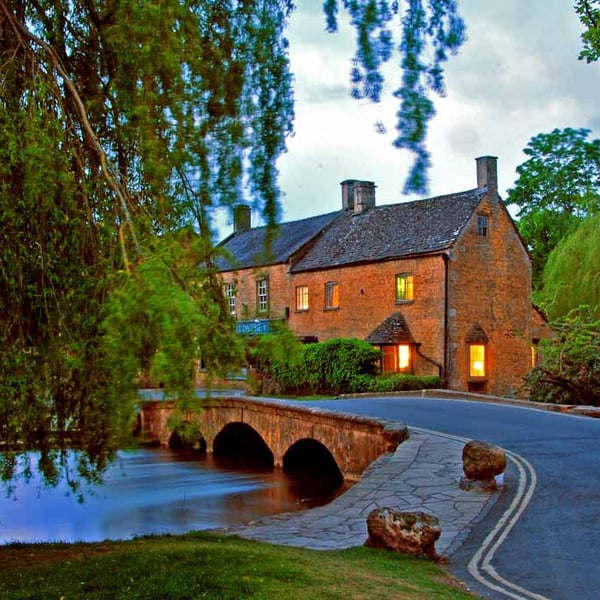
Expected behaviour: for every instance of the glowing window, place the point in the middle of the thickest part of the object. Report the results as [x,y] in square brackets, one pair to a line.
[477,360]
[403,357]
[332,295]
[404,287]
[302,297]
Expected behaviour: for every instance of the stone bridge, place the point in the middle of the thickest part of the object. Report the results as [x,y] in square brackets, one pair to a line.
[290,433]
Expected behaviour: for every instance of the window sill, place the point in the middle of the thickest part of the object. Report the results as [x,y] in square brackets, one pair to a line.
[332,308]
[404,301]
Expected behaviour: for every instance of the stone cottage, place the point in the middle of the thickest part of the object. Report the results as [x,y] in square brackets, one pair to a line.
[441,285]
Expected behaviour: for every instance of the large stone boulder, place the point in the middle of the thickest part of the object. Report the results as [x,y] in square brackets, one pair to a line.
[482,462]
[407,532]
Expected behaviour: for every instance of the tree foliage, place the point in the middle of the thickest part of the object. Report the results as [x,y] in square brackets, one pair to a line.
[589,15]
[557,187]
[429,32]
[121,122]
[570,369]
[571,276]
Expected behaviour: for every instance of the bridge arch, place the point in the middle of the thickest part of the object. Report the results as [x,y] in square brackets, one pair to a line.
[187,436]
[309,456]
[238,440]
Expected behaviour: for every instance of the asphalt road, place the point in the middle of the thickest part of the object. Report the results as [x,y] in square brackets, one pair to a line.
[553,551]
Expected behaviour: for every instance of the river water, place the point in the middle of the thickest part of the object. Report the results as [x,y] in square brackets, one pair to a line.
[155,491]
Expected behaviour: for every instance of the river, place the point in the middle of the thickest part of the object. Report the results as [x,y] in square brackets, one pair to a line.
[155,491]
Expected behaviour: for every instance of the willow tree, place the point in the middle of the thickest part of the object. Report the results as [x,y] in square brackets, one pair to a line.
[572,273]
[123,124]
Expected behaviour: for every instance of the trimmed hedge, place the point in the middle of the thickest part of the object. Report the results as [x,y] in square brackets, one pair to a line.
[284,366]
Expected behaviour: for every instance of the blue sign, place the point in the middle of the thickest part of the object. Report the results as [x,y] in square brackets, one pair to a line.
[256,326]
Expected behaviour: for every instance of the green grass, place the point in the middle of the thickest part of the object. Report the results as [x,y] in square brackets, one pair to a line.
[219,567]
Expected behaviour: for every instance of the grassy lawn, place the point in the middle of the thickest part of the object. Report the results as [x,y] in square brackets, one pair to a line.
[205,565]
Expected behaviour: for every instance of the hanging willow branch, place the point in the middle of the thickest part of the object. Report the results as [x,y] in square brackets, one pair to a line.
[24,34]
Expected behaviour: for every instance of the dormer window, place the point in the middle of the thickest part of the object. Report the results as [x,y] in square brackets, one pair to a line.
[483,225]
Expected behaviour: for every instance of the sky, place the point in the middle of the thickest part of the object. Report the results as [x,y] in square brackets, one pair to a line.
[516,76]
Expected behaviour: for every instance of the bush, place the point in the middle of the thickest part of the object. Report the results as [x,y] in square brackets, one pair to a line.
[337,366]
[285,366]
[401,382]
[570,369]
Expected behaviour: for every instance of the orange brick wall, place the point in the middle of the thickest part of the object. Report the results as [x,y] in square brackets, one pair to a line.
[490,283]
[245,281]
[368,296]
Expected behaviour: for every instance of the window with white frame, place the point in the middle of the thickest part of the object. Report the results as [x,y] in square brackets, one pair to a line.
[262,295]
[230,296]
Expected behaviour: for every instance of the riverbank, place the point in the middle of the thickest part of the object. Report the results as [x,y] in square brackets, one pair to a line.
[219,567]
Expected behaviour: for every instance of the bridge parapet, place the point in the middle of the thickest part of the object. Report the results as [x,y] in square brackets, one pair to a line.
[354,441]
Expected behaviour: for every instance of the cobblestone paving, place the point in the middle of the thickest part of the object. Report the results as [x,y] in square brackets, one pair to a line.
[423,474]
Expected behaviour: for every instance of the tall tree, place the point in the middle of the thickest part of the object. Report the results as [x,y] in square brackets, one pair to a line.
[589,15]
[571,276]
[121,122]
[557,187]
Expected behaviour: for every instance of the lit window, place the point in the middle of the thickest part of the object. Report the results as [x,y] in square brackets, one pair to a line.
[403,357]
[332,295]
[395,358]
[230,297]
[535,357]
[404,287]
[302,297]
[477,360]
[482,225]
[262,296]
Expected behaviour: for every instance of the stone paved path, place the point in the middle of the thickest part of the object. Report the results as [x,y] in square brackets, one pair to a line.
[421,475]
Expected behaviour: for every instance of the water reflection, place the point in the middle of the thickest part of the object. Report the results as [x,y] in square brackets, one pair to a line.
[155,491]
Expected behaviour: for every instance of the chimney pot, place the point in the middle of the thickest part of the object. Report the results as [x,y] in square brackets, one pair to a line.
[357,195]
[364,196]
[241,218]
[348,193]
[487,173]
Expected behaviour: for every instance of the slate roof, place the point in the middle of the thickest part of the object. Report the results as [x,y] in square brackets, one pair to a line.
[246,249]
[393,330]
[476,335]
[392,231]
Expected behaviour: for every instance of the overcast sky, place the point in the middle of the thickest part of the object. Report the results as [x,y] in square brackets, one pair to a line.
[516,76]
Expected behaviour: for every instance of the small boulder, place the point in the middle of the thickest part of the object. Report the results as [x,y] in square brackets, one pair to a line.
[407,532]
[482,462]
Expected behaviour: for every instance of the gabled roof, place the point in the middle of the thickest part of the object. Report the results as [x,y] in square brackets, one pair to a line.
[247,249]
[392,231]
[393,330]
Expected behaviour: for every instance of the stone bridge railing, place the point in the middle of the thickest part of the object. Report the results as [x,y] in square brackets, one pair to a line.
[353,441]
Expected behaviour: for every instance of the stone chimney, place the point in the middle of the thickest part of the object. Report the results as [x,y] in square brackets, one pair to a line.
[348,193]
[364,196]
[487,173]
[241,218]
[357,195]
